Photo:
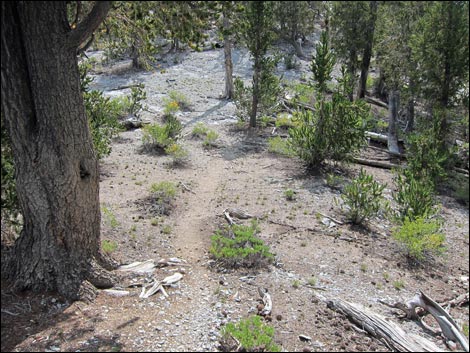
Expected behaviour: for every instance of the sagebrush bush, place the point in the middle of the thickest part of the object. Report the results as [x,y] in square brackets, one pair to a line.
[251,334]
[178,154]
[420,238]
[163,194]
[237,246]
[363,198]
[161,136]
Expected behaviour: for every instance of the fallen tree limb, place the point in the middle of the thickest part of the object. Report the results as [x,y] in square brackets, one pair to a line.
[376,102]
[377,326]
[375,163]
[267,301]
[228,218]
[334,220]
[449,327]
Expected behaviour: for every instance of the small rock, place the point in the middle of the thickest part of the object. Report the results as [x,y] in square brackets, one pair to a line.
[278,317]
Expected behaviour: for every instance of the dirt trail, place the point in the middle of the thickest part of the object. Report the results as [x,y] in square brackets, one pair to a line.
[191,230]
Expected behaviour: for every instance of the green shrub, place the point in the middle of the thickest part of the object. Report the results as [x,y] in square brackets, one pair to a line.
[280,146]
[200,130]
[163,191]
[289,194]
[363,198]
[210,139]
[291,62]
[425,157]
[161,136]
[251,334]
[163,194]
[237,246]
[9,201]
[269,95]
[178,154]
[420,237]
[415,197]
[335,130]
[108,246]
[303,93]
[110,217]
[284,121]
[102,112]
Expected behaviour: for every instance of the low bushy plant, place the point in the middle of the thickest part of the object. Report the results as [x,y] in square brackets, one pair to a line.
[178,153]
[210,139]
[414,196]
[289,194]
[420,238]
[163,193]
[280,146]
[363,198]
[249,335]
[108,246]
[161,136]
[237,246]
[334,130]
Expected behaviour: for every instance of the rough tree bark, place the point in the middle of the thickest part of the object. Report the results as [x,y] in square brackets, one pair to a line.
[229,89]
[56,167]
[367,49]
[393,103]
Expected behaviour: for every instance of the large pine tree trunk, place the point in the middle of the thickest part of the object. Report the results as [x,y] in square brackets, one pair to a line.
[57,175]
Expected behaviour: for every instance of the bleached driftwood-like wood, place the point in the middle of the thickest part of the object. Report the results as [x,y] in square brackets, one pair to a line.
[448,326]
[334,220]
[228,218]
[376,325]
[158,285]
[116,293]
[375,163]
[267,301]
[460,300]
[172,261]
[238,213]
[374,136]
[140,267]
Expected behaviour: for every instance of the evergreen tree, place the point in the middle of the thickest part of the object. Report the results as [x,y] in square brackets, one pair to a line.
[257,33]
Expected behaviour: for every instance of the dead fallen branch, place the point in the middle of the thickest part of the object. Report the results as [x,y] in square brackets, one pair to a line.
[267,301]
[140,267]
[334,220]
[238,213]
[376,325]
[228,218]
[375,163]
[448,326]
[376,102]
[158,285]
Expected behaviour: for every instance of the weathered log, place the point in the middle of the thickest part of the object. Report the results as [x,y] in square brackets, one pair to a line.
[376,102]
[375,163]
[377,326]
[448,326]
